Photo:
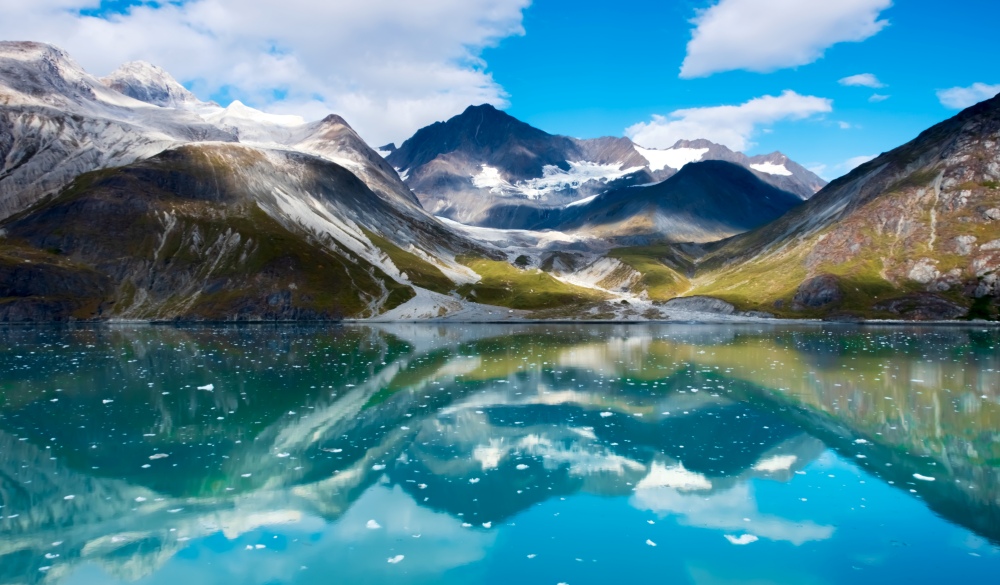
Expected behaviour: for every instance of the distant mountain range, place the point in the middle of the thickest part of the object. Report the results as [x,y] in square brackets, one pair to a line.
[475,166]
[126,197]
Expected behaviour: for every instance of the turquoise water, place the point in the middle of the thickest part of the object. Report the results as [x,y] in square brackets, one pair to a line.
[496,454]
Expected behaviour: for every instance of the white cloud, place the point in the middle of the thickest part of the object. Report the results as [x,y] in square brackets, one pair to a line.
[877,97]
[732,126]
[387,66]
[862,80]
[766,35]
[959,98]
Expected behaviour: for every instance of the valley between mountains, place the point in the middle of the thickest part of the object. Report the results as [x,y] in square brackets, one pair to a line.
[128,198]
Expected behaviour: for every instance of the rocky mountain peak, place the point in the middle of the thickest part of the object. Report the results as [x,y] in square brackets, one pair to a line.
[151,84]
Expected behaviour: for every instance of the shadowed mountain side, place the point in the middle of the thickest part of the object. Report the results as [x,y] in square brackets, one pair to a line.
[703,202]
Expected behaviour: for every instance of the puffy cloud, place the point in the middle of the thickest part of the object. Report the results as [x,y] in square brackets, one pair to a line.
[958,98]
[862,80]
[878,97]
[766,35]
[732,126]
[387,66]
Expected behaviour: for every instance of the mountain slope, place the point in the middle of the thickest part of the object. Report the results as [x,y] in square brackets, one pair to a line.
[222,232]
[484,167]
[914,233]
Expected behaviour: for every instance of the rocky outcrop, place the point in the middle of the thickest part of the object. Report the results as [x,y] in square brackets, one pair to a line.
[922,307]
[816,292]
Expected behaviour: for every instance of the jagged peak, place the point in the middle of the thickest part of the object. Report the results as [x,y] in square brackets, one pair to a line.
[149,83]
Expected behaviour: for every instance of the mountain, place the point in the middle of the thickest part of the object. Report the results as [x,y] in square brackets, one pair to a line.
[470,166]
[914,233]
[148,83]
[704,202]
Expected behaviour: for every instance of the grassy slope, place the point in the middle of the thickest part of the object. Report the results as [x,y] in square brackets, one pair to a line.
[661,269]
[507,286]
[420,272]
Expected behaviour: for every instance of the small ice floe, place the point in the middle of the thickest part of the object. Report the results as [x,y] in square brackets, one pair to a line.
[532,555]
[283,455]
[372,525]
[140,499]
[44,569]
[474,480]
[246,475]
[156,456]
[923,477]
[69,497]
[860,442]
[174,511]
[146,466]
[422,486]
[650,542]
[650,522]
[741,539]
[107,401]
[207,387]
[51,556]
[606,414]
[521,467]
[487,524]
[259,546]
[396,559]
[378,467]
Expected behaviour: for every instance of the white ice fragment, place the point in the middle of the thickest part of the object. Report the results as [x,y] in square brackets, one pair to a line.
[532,555]
[860,442]
[283,455]
[159,456]
[487,524]
[742,539]
[396,559]
[378,467]
[372,525]
[260,546]
[107,401]
[246,475]
[923,477]
[474,480]
[521,467]
[208,387]
[69,497]
[650,542]
[140,499]
[146,466]
[606,414]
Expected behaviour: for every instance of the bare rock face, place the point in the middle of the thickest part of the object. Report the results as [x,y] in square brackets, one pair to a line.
[992,214]
[922,307]
[702,305]
[818,291]
[924,271]
[964,245]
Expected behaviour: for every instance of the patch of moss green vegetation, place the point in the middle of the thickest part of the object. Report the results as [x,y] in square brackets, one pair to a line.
[507,286]
[420,272]
[991,184]
[661,268]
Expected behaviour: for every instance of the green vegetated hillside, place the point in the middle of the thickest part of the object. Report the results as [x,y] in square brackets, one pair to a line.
[914,234]
[186,235]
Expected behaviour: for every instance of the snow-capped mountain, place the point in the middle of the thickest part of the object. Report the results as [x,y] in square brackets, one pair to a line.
[484,159]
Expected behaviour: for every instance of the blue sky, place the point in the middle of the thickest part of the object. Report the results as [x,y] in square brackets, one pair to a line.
[759,75]
[585,70]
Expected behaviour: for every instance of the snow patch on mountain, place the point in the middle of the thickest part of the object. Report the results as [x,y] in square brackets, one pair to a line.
[553,178]
[583,201]
[772,169]
[674,158]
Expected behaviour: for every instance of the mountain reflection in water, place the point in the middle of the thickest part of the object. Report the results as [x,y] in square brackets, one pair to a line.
[485,453]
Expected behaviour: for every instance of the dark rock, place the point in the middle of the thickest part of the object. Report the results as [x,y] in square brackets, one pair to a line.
[818,291]
[922,307]
[701,305]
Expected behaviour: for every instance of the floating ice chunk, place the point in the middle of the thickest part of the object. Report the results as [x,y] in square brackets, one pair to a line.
[107,401]
[860,442]
[208,387]
[422,486]
[741,539]
[466,525]
[606,414]
[372,525]
[378,467]
[474,480]
[140,499]
[487,524]
[259,546]
[396,559]
[923,477]
[246,475]
[532,555]
[159,456]
[283,455]
[69,497]
[776,463]
[174,511]
[249,547]
[521,467]
[650,542]
[146,466]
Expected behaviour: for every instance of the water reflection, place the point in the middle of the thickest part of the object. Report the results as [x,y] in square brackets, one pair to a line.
[422,453]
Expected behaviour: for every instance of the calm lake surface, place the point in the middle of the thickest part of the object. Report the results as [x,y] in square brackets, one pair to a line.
[499,454]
